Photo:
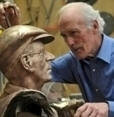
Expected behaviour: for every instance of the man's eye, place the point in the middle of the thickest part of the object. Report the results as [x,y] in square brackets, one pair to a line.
[74,32]
[41,54]
[63,35]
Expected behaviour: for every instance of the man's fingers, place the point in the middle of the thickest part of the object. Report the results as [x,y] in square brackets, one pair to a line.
[3,21]
[92,110]
[93,114]
[2,11]
[80,110]
[87,112]
[9,14]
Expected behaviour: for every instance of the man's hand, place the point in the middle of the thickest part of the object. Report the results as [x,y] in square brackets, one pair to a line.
[9,15]
[92,110]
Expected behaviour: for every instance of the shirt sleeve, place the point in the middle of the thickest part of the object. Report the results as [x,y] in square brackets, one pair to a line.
[62,70]
[111,108]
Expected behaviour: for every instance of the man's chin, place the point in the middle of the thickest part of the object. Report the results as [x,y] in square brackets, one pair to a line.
[81,57]
[48,78]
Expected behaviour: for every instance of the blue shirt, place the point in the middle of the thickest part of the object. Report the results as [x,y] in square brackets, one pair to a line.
[95,77]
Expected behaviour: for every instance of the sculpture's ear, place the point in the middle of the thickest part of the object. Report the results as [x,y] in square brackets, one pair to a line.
[26,62]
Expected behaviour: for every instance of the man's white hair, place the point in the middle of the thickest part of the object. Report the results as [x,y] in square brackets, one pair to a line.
[89,13]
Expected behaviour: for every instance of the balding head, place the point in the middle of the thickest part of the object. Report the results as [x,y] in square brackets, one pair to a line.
[81,10]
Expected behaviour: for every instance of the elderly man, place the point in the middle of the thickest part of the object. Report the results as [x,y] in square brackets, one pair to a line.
[25,63]
[90,63]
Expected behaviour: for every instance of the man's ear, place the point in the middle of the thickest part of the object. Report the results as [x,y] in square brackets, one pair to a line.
[26,62]
[95,25]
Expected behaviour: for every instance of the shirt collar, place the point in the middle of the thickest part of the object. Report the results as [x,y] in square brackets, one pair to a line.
[105,50]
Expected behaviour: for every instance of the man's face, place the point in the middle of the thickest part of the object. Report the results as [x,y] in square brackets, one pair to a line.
[40,61]
[80,39]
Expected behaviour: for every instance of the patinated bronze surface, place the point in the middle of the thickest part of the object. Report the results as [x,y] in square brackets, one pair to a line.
[26,102]
[25,63]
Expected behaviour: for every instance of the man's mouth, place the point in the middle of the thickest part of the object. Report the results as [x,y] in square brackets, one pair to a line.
[77,50]
[49,70]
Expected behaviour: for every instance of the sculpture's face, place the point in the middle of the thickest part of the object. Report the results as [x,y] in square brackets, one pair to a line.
[40,59]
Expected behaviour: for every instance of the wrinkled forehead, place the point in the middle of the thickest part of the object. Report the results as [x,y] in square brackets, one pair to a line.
[70,18]
[70,11]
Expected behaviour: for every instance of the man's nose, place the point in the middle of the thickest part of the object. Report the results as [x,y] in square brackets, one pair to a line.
[70,41]
[49,56]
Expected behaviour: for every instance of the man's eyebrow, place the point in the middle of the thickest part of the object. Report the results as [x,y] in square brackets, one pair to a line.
[62,34]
